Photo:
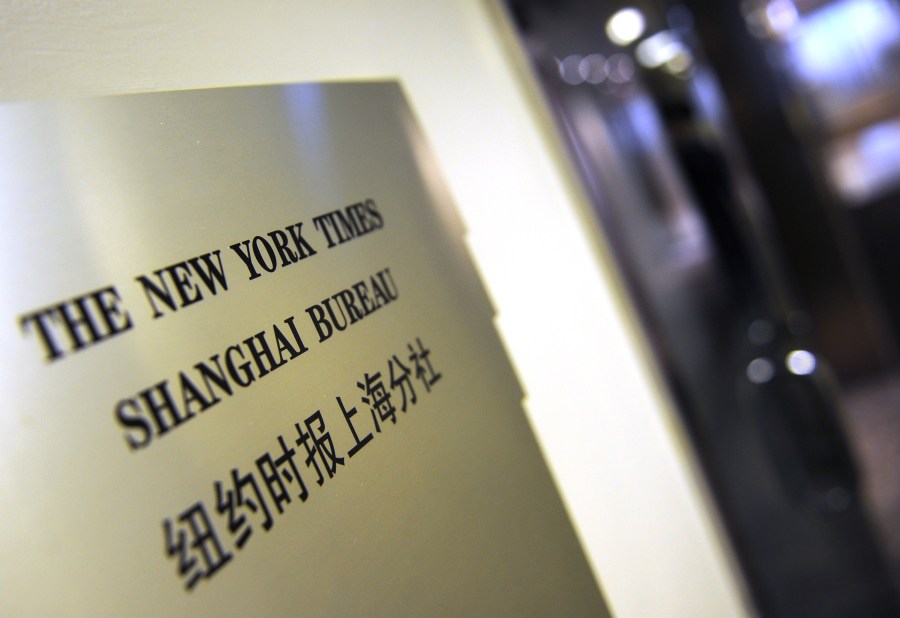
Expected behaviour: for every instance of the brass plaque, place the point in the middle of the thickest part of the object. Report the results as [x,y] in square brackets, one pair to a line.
[252,370]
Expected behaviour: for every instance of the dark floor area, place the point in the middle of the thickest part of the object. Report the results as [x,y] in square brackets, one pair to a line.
[816,520]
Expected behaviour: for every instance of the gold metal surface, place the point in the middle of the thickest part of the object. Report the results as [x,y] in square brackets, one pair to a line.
[153,241]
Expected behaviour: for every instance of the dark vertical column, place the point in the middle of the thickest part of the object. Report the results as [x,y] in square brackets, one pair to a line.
[822,255]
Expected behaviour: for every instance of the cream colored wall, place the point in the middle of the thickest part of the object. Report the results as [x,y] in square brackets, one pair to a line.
[601,418]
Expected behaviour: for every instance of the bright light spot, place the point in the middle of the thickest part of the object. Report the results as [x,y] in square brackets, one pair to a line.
[800,362]
[846,46]
[760,370]
[625,26]
[592,68]
[620,68]
[782,16]
[657,49]
[665,49]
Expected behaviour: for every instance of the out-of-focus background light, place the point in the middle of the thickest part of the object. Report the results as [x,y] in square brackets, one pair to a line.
[620,68]
[625,26]
[760,370]
[696,136]
[664,50]
[781,16]
[592,68]
[577,69]
[568,69]
[800,362]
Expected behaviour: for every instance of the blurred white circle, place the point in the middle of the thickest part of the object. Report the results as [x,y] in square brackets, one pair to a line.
[800,362]
[625,26]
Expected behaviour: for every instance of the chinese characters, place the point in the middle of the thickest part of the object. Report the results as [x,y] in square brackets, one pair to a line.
[202,539]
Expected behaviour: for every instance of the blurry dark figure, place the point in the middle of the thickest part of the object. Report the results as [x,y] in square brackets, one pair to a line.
[796,408]
[706,171]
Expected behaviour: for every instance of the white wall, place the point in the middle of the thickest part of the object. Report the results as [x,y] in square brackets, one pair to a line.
[604,423]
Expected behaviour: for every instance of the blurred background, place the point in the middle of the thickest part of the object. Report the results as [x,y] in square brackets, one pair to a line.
[743,161]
